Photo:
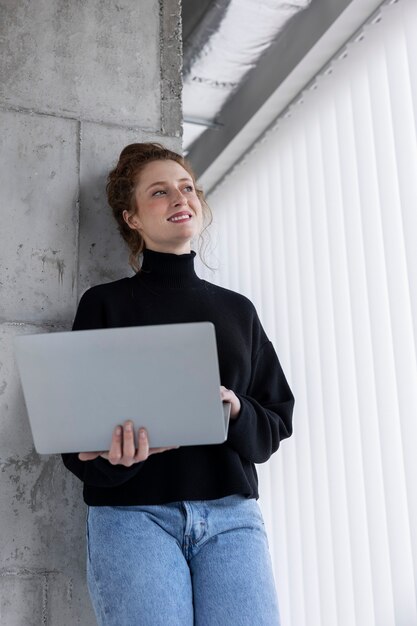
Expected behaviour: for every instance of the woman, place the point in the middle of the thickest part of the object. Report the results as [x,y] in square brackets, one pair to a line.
[175,536]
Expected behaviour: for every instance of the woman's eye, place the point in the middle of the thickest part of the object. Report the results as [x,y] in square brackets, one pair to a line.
[157,193]
[189,188]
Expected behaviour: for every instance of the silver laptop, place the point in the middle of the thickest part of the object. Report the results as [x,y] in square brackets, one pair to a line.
[79,385]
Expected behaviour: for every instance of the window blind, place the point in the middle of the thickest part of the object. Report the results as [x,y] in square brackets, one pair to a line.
[317,224]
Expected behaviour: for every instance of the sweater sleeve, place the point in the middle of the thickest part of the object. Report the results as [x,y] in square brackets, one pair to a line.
[266,411]
[100,472]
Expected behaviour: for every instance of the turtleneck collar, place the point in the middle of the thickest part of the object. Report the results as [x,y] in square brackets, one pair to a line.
[164,269]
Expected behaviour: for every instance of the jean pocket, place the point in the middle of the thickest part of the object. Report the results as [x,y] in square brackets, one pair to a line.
[254,511]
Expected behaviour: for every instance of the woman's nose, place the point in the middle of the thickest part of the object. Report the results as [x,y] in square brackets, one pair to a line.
[179,199]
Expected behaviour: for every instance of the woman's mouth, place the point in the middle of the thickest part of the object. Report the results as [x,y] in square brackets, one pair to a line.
[180,217]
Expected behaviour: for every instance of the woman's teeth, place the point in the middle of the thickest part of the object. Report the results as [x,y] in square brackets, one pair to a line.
[180,218]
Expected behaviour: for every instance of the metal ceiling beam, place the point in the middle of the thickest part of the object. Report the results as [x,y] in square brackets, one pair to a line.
[292,46]
[193,12]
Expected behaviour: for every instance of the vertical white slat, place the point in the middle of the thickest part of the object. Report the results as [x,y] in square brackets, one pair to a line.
[318,298]
[292,604]
[279,274]
[226,225]
[279,532]
[254,249]
[251,245]
[212,251]
[356,332]
[299,586]
[223,255]
[232,207]
[313,564]
[408,12]
[333,345]
[226,220]
[282,465]
[265,276]
[209,250]
[244,238]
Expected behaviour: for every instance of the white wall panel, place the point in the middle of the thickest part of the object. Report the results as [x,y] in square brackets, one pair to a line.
[318,226]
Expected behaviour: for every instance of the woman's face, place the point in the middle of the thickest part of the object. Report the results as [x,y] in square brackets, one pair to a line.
[168,213]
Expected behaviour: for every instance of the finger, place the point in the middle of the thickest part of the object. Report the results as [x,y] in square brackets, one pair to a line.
[115,452]
[88,456]
[143,446]
[128,443]
[224,392]
[164,449]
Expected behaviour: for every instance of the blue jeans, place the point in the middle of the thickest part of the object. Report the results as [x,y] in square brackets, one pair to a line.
[202,563]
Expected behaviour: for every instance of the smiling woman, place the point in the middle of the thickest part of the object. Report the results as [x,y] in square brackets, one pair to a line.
[149,186]
[169,212]
[175,535]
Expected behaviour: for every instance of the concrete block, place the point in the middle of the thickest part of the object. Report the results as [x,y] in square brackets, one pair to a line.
[41,509]
[103,255]
[42,597]
[40,500]
[92,60]
[21,599]
[38,193]
[67,602]
[15,435]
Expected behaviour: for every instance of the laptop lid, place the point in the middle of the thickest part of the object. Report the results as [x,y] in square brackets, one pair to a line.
[79,385]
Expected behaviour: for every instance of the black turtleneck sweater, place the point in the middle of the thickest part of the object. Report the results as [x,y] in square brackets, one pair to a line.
[168,291]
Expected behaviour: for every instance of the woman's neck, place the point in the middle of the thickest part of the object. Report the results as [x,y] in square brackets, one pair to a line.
[168,269]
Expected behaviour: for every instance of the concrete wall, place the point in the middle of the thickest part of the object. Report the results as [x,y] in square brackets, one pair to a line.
[79,80]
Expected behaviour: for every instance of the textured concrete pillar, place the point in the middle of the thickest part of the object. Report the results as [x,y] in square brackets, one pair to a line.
[78,81]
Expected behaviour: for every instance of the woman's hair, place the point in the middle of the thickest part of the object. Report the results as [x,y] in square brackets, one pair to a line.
[121,184]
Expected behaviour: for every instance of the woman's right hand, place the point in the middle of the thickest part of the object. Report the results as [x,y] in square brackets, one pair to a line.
[122,448]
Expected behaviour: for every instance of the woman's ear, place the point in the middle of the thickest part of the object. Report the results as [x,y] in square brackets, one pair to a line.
[131,220]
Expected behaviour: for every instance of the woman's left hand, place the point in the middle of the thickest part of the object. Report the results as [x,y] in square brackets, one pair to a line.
[227,395]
